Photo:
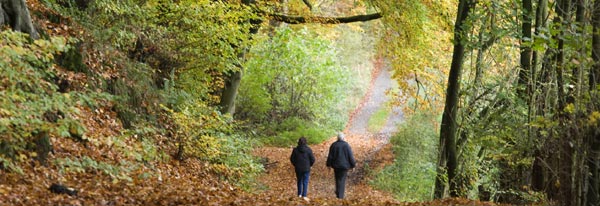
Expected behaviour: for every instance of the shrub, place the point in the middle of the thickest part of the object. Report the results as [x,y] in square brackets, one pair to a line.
[201,132]
[412,175]
[291,129]
[30,103]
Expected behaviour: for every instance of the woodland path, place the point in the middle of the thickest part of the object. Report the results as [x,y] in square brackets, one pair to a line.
[280,178]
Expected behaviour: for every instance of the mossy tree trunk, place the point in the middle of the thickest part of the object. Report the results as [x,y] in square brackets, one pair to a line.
[15,14]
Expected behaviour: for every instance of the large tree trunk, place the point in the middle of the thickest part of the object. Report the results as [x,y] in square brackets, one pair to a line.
[15,14]
[230,91]
[574,95]
[449,126]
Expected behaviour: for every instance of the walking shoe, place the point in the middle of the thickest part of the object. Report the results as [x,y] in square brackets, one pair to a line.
[306,199]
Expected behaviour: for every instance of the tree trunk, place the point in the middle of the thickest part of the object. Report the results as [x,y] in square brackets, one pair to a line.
[15,14]
[593,163]
[232,81]
[562,9]
[565,155]
[593,160]
[449,126]
[581,22]
[524,87]
[594,75]
[485,45]
[229,93]
[537,171]
[574,94]
[540,22]
[42,147]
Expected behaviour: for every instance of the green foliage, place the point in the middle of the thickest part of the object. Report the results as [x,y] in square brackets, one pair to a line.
[203,133]
[179,53]
[197,129]
[144,149]
[110,29]
[412,175]
[205,36]
[492,144]
[137,97]
[240,164]
[294,75]
[288,132]
[28,95]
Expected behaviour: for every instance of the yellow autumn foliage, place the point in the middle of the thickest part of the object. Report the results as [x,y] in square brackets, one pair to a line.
[196,128]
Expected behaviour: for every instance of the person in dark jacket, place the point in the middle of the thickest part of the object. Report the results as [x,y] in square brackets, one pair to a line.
[302,158]
[341,159]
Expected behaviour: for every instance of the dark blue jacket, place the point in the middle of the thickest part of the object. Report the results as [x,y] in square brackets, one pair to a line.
[302,158]
[340,156]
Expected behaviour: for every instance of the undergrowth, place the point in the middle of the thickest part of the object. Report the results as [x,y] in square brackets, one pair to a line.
[411,176]
[31,106]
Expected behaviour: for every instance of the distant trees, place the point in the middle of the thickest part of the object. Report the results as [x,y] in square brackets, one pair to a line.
[232,81]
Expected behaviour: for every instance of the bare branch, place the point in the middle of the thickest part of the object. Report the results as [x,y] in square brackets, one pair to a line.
[308,4]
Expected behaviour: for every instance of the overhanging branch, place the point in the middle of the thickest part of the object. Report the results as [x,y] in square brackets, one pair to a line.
[308,4]
[323,20]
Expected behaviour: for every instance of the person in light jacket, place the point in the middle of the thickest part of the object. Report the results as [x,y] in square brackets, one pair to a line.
[302,158]
[341,159]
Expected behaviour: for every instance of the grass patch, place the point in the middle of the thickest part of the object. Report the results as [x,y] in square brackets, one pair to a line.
[412,175]
[378,120]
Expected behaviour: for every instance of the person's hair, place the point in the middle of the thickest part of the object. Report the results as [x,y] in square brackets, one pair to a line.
[340,136]
[301,141]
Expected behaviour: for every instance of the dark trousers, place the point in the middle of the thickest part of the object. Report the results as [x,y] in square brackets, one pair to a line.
[302,180]
[340,182]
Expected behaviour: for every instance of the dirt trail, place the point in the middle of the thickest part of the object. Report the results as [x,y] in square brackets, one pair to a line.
[280,178]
